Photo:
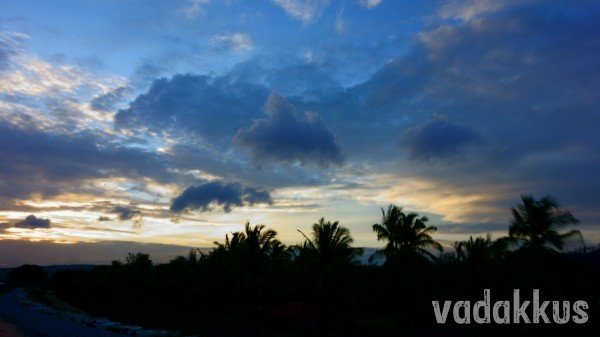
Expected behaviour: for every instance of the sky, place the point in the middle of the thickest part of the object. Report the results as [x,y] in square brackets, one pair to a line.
[160,124]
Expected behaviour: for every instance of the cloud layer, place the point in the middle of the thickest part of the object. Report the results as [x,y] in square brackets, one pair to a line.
[50,163]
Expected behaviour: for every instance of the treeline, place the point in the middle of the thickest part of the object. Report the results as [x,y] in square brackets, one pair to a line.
[253,285]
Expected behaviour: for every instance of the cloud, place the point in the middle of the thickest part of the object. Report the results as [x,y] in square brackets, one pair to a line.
[522,75]
[227,195]
[126,212]
[31,222]
[237,42]
[467,10]
[287,137]
[198,116]
[51,163]
[194,8]
[369,4]
[210,108]
[51,92]
[11,44]
[493,70]
[340,23]
[38,77]
[103,218]
[303,10]
[4,226]
[437,137]
[306,81]
[109,100]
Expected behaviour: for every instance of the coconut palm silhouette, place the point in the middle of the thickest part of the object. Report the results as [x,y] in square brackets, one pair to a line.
[325,259]
[541,224]
[479,251]
[407,236]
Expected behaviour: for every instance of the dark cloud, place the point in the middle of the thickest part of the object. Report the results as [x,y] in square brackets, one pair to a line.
[31,222]
[212,108]
[103,218]
[50,163]
[126,212]
[227,195]
[524,77]
[437,138]
[108,101]
[203,114]
[288,137]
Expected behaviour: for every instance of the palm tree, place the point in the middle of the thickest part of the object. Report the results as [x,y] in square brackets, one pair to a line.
[329,244]
[248,263]
[406,235]
[325,259]
[258,242]
[252,242]
[480,251]
[541,223]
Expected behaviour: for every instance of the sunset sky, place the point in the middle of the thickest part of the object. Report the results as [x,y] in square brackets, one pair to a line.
[174,122]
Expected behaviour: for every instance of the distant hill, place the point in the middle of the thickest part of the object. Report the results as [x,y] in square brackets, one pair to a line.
[52,269]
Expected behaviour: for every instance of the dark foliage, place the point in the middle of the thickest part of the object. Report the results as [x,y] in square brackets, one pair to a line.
[253,285]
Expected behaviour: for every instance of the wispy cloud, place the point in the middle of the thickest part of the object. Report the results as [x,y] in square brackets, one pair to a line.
[237,42]
[370,3]
[340,22]
[11,45]
[467,10]
[303,10]
[194,8]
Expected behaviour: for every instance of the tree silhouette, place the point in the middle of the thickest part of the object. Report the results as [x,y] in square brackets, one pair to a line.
[407,235]
[541,224]
[480,251]
[248,263]
[138,261]
[325,258]
[329,244]
[253,243]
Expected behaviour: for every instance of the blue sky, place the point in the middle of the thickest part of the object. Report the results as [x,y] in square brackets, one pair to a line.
[174,122]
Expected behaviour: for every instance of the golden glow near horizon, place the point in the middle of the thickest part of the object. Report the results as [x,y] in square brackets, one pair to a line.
[358,208]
